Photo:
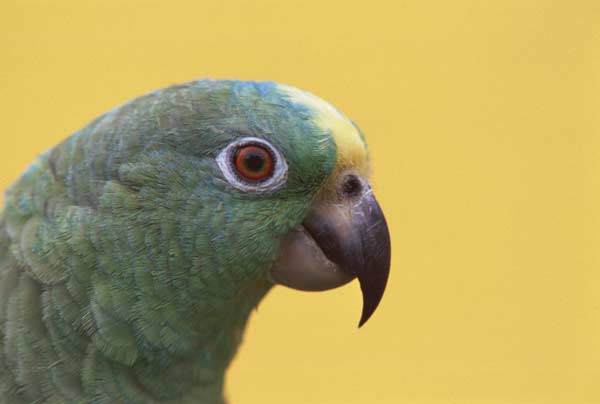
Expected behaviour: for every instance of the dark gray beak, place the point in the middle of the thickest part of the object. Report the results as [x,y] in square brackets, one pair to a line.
[339,241]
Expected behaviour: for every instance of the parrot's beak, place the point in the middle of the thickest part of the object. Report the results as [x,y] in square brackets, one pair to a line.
[338,241]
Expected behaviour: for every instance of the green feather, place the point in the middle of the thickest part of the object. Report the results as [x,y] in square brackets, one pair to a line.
[128,265]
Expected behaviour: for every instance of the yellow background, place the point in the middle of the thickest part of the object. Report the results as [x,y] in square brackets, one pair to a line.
[483,119]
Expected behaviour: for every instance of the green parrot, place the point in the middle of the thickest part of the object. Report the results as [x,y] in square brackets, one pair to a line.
[132,254]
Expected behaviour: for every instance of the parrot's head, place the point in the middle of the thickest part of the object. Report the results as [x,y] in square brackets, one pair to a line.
[289,174]
[269,182]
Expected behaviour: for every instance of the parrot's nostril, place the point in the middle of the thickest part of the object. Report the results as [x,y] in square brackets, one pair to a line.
[352,186]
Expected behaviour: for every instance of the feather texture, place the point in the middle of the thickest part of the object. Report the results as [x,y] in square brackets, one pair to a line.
[128,265]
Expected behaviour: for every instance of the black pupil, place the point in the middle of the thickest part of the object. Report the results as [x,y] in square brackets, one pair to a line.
[352,186]
[254,161]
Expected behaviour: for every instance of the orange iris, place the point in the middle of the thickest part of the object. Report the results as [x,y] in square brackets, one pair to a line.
[254,162]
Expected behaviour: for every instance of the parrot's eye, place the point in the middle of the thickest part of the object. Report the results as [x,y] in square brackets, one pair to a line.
[253,164]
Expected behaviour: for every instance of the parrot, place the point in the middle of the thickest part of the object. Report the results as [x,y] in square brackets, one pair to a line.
[133,253]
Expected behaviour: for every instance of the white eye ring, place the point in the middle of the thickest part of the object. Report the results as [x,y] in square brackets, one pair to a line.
[225,161]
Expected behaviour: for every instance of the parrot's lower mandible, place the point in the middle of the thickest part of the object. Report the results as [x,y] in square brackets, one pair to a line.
[132,254]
